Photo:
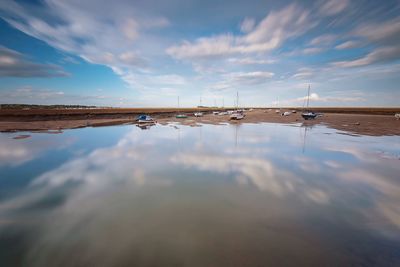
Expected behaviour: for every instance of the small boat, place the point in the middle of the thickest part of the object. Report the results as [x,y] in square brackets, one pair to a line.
[215,112]
[286,113]
[198,114]
[181,116]
[238,115]
[294,111]
[397,116]
[309,115]
[142,119]
[223,113]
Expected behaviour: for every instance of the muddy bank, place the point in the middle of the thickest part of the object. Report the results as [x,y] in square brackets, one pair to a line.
[374,125]
[362,124]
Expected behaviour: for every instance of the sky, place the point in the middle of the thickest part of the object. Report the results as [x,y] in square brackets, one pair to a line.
[147,53]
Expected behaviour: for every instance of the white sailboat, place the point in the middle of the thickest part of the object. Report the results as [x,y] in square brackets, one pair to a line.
[180,115]
[199,113]
[238,114]
[307,114]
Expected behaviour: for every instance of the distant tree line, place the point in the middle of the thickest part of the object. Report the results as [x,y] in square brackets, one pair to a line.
[28,106]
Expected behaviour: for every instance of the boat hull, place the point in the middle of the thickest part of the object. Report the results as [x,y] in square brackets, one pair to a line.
[309,116]
[236,117]
[181,116]
[146,122]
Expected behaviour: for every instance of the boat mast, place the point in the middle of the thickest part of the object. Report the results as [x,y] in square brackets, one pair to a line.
[237,99]
[308,96]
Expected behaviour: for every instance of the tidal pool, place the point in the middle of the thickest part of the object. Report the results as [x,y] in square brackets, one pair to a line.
[216,195]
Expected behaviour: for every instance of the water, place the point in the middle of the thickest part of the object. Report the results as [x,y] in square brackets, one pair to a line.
[248,195]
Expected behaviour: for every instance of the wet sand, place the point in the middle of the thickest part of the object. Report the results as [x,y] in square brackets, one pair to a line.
[362,124]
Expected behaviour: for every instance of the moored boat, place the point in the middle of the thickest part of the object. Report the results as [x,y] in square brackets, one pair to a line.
[236,116]
[142,119]
[181,116]
[308,114]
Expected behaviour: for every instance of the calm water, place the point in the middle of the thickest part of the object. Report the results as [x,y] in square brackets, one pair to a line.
[249,195]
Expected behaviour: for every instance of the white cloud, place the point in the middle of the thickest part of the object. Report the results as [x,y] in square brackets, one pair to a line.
[303,73]
[16,152]
[14,64]
[385,36]
[325,39]
[251,61]
[171,79]
[235,79]
[387,32]
[101,32]
[260,172]
[333,7]
[314,97]
[27,93]
[269,34]
[251,77]
[247,25]
[382,54]
[312,50]
[36,95]
[347,45]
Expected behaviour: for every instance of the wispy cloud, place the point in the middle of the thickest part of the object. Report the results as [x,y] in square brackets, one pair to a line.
[385,36]
[251,61]
[303,73]
[234,79]
[348,45]
[269,34]
[330,99]
[325,39]
[268,47]
[379,55]
[15,64]
[107,34]
[333,7]
[247,25]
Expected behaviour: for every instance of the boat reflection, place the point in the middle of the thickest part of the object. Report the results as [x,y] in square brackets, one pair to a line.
[145,126]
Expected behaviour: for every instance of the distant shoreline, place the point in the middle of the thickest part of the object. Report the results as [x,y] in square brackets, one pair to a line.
[39,114]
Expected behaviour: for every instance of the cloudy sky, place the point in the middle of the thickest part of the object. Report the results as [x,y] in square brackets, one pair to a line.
[148,52]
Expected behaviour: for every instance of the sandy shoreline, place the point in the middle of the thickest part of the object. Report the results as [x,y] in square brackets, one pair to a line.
[362,124]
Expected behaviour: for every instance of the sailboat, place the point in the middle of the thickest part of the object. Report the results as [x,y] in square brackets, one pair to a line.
[181,115]
[199,113]
[308,114]
[238,114]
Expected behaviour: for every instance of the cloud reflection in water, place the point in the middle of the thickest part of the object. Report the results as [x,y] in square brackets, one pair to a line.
[194,196]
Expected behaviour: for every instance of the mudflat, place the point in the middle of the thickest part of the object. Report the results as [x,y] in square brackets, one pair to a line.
[355,121]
